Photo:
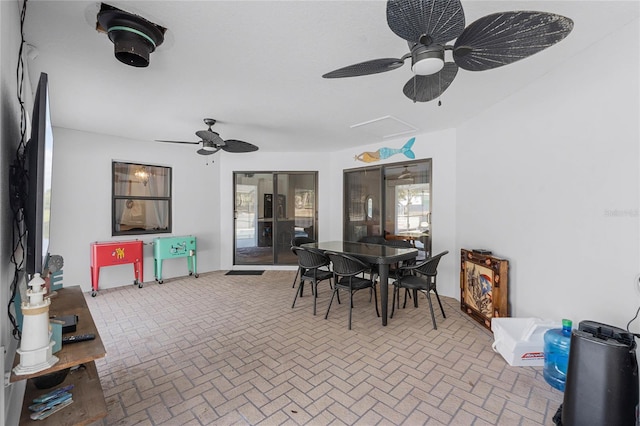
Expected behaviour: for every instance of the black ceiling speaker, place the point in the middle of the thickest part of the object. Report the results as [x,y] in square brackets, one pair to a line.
[133,37]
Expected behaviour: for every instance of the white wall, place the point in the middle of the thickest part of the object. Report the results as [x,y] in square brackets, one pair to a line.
[541,175]
[441,147]
[81,204]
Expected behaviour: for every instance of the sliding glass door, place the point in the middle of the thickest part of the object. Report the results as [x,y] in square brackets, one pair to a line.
[393,201]
[253,235]
[270,209]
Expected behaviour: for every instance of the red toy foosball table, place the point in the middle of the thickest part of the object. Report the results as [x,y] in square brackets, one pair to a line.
[113,253]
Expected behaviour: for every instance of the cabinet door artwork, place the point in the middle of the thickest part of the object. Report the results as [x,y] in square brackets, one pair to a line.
[483,286]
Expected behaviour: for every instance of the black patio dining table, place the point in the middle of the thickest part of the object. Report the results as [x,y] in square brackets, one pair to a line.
[381,255]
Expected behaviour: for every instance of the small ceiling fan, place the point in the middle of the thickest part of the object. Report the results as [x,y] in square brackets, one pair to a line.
[212,142]
[490,42]
[406,174]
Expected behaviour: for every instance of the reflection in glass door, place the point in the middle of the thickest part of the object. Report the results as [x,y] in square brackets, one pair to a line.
[253,223]
[408,203]
[270,209]
[363,203]
[392,200]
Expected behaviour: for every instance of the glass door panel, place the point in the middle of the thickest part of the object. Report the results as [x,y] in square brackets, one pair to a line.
[296,212]
[270,209]
[408,203]
[305,206]
[362,203]
[253,193]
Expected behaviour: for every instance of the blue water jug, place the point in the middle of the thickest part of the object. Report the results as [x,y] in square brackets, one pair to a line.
[556,355]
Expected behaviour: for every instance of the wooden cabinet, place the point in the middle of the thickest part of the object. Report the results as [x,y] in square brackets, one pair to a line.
[89,403]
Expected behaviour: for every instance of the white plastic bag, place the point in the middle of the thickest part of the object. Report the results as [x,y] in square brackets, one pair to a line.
[520,341]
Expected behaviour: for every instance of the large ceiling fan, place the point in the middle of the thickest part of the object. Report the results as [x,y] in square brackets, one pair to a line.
[490,42]
[212,142]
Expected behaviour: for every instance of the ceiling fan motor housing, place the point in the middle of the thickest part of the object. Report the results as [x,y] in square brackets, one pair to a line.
[133,37]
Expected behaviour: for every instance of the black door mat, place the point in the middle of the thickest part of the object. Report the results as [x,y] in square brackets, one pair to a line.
[244,273]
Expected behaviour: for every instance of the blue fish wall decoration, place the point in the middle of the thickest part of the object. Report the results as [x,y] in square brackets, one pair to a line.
[384,153]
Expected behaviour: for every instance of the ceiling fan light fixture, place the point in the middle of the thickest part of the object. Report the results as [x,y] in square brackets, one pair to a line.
[205,151]
[427,61]
[208,148]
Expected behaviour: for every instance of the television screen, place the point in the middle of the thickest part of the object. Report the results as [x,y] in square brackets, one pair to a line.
[39,153]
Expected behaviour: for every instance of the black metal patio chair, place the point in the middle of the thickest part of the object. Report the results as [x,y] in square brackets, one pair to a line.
[311,261]
[297,242]
[420,277]
[345,270]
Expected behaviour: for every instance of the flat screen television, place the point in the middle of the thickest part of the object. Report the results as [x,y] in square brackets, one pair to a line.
[38,164]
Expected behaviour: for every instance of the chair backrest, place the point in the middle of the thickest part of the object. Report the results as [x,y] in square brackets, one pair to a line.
[298,241]
[345,265]
[310,258]
[429,267]
[372,239]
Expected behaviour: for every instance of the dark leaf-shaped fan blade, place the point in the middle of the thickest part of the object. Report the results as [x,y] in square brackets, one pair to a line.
[232,145]
[425,88]
[209,135]
[440,20]
[191,143]
[502,38]
[365,68]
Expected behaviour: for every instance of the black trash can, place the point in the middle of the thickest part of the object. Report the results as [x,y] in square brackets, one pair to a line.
[602,377]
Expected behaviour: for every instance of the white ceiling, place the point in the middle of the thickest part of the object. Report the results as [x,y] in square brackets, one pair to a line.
[256,67]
